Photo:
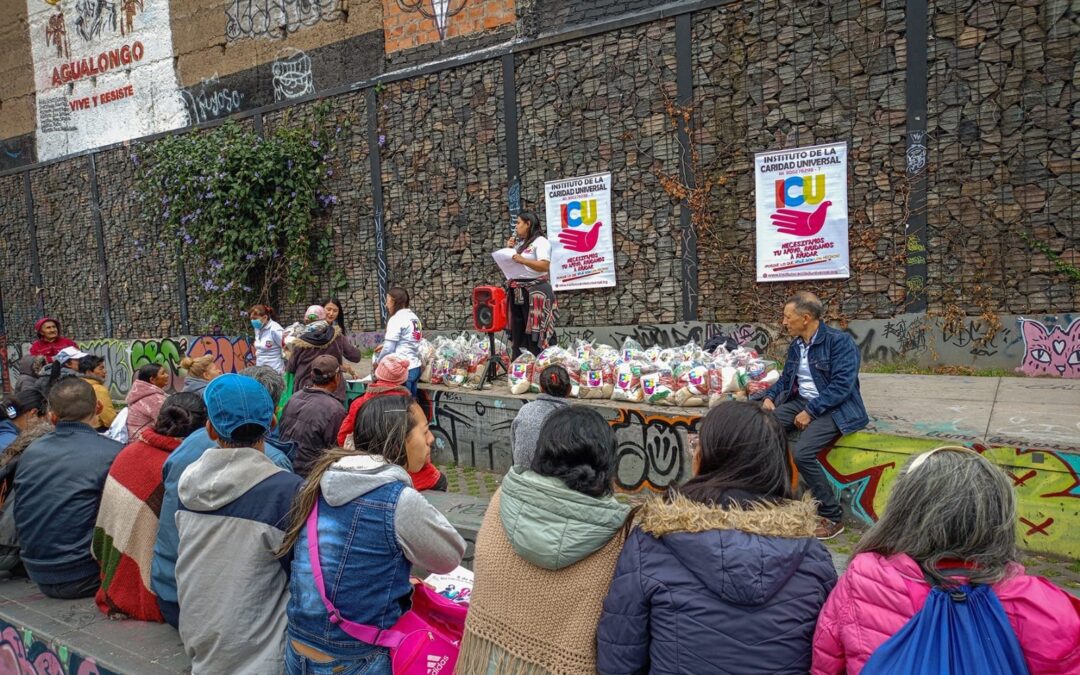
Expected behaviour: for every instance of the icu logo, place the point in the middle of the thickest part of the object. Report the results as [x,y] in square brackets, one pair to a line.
[579,213]
[436,663]
[799,190]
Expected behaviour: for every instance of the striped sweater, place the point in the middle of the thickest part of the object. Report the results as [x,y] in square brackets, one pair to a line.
[127,526]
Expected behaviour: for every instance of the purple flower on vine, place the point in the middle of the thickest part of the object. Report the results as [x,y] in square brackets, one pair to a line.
[382,140]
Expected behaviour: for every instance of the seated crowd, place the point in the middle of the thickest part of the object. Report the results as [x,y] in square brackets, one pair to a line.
[259,535]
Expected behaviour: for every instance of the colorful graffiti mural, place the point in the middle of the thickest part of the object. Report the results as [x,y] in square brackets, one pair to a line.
[21,653]
[232,354]
[1053,351]
[864,466]
[124,357]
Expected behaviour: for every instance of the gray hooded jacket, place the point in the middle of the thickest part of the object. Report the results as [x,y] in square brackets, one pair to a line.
[234,507]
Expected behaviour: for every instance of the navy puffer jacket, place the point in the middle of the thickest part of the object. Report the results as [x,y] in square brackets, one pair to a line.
[702,589]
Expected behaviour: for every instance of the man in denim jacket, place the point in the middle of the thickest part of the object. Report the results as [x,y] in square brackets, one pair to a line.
[818,394]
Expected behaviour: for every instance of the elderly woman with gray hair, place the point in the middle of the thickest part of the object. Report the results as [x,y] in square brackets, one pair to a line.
[950,523]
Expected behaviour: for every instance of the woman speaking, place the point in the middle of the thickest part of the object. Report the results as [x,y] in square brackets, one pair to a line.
[532,300]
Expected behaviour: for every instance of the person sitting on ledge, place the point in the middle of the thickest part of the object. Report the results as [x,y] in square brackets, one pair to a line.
[50,341]
[817,394]
[58,486]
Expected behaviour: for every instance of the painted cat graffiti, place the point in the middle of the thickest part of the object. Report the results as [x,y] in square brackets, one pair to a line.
[1050,351]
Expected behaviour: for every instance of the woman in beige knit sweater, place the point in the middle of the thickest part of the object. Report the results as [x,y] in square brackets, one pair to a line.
[545,555]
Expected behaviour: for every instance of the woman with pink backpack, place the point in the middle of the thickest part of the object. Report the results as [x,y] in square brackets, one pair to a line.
[358,527]
[935,586]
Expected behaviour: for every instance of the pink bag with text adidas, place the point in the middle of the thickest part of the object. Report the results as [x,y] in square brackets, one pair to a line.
[424,641]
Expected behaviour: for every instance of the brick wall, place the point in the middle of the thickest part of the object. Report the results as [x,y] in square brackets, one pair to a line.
[406,28]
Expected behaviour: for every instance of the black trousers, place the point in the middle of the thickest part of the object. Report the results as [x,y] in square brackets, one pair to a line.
[71,590]
[520,340]
[820,434]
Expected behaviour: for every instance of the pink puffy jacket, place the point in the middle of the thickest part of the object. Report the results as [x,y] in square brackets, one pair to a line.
[144,402]
[876,596]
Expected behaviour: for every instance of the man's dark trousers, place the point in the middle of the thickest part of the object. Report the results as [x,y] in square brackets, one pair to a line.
[813,439]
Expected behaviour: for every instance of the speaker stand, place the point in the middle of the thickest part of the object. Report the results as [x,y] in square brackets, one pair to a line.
[494,364]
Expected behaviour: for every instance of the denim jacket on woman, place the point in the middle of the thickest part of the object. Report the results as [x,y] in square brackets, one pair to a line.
[373,526]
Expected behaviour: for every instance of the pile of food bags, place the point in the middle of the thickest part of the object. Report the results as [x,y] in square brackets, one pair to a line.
[459,361]
[684,376]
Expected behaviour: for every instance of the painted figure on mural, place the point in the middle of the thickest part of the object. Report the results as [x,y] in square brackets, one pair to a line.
[94,15]
[817,395]
[130,8]
[56,34]
[1051,351]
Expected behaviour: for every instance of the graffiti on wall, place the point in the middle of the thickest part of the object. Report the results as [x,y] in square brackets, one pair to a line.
[439,11]
[22,653]
[1047,483]
[166,352]
[232,354]
[292,76]
[124,357]
[210,100]
[652,453]
[103,73]
[471,430]
[652,450]
[276,18]
[1053,351]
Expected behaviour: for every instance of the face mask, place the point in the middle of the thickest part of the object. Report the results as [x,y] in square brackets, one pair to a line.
[256,324]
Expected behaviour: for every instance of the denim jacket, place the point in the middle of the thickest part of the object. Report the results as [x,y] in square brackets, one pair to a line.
[373,526]
[834,365]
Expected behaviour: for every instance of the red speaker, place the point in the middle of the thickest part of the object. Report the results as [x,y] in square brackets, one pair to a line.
[489,309]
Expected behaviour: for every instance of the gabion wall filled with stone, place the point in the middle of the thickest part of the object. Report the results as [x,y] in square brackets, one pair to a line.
[444,187]
[1004,141]
[599,105]
[770,77]
[1001,167]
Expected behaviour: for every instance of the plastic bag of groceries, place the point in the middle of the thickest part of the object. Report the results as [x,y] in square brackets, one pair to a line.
[658,387]
[597,373]
[628,382]
[631,351]
[426,351]
[692,381]
[521,377]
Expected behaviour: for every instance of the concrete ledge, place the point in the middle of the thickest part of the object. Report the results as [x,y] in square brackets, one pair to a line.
[43,635]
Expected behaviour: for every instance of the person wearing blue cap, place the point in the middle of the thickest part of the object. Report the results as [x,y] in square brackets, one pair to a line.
[234,506]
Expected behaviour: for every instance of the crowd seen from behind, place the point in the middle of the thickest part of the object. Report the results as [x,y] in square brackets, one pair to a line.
[259,515]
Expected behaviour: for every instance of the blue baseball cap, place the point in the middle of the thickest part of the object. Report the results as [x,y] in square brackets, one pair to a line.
[235,400]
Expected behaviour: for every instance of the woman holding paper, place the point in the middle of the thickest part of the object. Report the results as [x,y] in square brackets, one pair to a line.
[532,301]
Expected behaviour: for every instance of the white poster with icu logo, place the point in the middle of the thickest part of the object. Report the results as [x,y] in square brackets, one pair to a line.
[802,213]
[580,231]
[103,71]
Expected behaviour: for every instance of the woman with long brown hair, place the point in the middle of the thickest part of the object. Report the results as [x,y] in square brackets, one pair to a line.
[361,496]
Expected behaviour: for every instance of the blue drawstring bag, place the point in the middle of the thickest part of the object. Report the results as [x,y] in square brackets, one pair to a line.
[959,631]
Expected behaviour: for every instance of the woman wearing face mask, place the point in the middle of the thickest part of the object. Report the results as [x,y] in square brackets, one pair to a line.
[533,309]
[268,337]
[372,527]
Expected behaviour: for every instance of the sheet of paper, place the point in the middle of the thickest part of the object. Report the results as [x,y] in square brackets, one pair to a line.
[456,585]
[512,270]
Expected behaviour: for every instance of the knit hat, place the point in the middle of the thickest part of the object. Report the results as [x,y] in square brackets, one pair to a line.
[393,369]
[235,400]
[315,313]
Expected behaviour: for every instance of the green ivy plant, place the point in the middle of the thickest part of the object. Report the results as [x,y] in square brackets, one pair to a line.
[1071,271]
[247,211]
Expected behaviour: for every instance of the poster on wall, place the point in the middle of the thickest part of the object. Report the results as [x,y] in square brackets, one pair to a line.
[802,213]
[579,228]
[103,71]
